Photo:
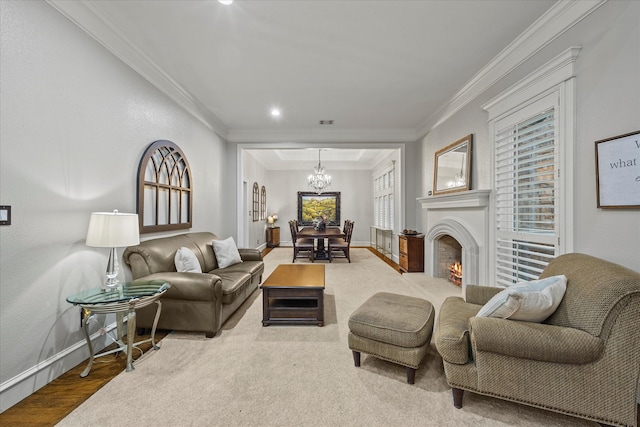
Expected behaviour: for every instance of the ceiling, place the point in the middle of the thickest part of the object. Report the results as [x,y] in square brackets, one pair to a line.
[381,70]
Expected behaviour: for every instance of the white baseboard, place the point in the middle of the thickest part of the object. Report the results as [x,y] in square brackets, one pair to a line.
[28,382]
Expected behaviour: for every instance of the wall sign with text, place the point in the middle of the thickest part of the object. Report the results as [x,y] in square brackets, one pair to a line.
[618,171]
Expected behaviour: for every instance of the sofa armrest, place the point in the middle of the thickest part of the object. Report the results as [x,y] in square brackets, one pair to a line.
[248,254]
[535,341]
[480,295]
[189,286]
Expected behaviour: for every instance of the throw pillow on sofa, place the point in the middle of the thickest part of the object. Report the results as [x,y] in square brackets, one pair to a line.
[529,301]
[186,261]
[226,252]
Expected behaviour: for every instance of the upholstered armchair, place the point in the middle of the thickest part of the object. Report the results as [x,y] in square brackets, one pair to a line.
[583,360]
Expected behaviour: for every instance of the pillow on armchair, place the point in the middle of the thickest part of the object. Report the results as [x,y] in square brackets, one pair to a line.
[529,301]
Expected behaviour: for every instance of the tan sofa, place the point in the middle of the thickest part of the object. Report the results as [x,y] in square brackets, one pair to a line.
[583,360]
[199,302]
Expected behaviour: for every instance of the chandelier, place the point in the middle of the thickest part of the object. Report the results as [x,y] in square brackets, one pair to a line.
[319,181]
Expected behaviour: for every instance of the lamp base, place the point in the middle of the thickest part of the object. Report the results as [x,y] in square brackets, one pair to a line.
[112,281]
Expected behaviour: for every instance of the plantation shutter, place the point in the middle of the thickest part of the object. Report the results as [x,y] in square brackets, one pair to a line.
[526,189]
[384,198]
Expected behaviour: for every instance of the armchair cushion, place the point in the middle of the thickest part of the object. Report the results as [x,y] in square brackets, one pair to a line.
[536,341]
[529,301]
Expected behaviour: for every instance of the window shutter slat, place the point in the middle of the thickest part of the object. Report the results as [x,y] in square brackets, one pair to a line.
[525,181]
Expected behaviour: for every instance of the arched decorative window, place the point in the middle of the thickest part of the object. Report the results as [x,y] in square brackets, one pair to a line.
[263,203]
[256,201]
[165,193]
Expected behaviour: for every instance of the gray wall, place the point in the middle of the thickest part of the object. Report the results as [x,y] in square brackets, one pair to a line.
[356,195]
[608,104]
[75,121]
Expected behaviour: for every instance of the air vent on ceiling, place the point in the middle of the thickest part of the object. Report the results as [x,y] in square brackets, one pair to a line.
[326,122]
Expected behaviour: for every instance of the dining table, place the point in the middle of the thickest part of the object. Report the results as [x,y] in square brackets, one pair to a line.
[328,232]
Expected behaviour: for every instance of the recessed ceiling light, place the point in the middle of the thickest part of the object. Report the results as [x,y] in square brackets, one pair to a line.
[225,2]
[275,112]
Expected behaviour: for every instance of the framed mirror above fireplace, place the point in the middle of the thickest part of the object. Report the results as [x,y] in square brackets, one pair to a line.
[452,168]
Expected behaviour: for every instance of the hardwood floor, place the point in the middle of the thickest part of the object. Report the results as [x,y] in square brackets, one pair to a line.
[53,402]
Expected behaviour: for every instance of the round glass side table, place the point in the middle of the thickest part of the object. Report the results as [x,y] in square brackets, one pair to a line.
[123,300]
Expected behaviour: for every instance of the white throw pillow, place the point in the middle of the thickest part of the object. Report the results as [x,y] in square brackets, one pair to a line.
[186,261]
[529,301]
[226,252]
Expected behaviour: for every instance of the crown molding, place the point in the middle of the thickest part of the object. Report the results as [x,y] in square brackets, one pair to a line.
[88,16]
[322,136]
[558,19]
[554,72]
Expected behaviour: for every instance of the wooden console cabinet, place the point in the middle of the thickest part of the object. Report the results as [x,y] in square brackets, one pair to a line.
[411,250]
[273,237]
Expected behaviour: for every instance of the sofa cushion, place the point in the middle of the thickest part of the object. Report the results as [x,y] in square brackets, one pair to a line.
[253,267]
[529,301]
[226,252]
[234,284]
[202,240]
[186,261]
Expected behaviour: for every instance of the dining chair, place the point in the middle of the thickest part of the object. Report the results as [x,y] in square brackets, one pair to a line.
[344,231]
[300,245]
[341,246]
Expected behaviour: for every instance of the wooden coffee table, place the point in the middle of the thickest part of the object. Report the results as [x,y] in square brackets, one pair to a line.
[294,294]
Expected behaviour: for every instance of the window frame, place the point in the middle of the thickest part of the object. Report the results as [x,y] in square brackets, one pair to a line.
[556,79]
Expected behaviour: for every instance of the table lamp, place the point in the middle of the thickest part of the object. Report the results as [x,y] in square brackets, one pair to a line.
[112,230]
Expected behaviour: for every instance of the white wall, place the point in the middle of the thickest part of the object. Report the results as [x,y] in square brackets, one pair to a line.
[74,123]
[356,199]
[608,104]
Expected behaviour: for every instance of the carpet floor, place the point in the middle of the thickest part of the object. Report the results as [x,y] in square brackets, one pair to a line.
[250,375]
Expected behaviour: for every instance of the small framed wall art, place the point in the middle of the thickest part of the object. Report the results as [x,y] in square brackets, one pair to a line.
[618,171]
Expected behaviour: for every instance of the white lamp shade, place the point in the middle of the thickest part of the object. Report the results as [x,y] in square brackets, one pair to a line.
[113,230]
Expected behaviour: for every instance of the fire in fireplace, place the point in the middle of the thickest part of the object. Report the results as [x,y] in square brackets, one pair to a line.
[455,273]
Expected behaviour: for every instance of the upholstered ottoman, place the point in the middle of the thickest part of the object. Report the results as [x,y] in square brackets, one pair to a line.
[393,327]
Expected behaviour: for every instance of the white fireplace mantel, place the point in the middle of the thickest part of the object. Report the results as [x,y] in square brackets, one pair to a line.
[463,199]
[465,217]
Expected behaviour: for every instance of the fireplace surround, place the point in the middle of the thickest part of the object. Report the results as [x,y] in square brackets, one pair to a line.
[465,217]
